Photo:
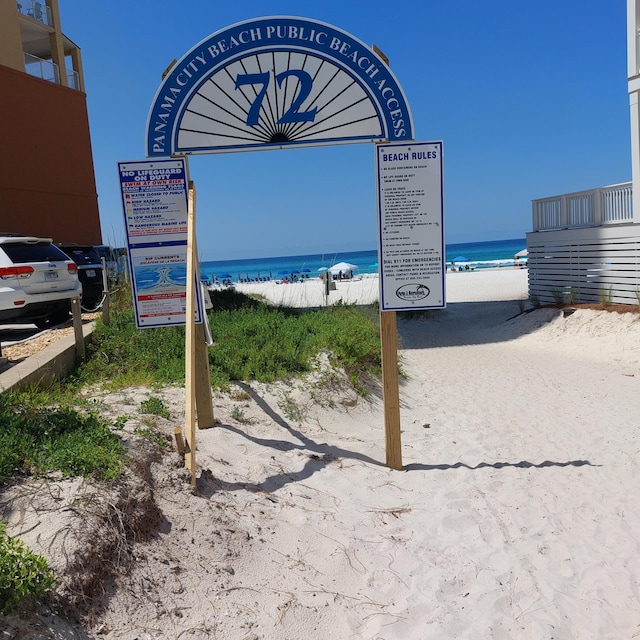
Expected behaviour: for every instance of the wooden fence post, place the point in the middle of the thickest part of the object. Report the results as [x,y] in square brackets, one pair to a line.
[77,329]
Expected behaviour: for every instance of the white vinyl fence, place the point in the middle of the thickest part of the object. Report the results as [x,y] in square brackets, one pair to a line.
[588,264]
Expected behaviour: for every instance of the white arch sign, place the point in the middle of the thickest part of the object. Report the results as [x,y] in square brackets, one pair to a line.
[272,83]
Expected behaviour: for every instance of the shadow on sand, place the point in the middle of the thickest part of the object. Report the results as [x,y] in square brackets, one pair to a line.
[321,454]
[523,464]
[471,323]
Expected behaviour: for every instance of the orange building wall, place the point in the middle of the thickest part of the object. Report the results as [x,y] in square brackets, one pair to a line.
[47,182]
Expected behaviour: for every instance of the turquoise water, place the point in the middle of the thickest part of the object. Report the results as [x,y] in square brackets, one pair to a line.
[479,255]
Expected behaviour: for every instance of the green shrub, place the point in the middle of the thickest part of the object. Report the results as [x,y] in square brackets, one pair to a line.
[23,574]
[238,414]
[230,300]
[155,406]
[40,440]
[572,295]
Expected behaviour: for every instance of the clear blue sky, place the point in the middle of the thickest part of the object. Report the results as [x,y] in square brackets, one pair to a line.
[530,100]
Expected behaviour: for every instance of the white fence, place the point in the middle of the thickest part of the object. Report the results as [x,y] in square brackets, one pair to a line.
[597,264]
[608,205]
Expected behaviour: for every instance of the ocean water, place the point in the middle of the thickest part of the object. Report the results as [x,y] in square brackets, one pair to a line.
[478,255]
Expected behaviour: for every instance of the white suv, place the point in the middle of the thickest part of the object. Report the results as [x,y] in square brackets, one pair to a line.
[37,281]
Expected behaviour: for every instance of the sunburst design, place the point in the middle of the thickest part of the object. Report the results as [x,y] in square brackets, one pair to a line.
[277,98]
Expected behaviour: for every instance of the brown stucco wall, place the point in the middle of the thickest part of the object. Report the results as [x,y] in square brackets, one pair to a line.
[47,183]
[10,39]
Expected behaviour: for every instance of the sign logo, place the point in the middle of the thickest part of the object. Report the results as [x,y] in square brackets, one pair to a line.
[413,292]
[276,82]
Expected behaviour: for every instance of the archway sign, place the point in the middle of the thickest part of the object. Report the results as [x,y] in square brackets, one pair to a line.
[274,83]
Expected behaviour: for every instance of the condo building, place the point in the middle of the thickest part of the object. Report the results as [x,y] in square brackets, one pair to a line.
[47,181]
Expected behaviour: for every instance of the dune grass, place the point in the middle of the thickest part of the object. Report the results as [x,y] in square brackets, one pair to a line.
[252,341]
[38,440]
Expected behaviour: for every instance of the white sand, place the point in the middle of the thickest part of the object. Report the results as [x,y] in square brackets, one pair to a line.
[517,515]
[487,284]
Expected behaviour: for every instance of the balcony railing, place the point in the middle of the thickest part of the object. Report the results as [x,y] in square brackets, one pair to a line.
[48,70]
[36,10]
[40,68]
[73,79]
[608,205]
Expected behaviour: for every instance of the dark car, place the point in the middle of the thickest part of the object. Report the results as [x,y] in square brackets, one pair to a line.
[89,273]
[112,260]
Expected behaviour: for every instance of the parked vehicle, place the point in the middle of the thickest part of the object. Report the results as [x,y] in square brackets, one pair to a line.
[111,258]
[37,281]
[89,273]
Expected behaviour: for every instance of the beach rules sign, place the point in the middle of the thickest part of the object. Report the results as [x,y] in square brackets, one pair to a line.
[410,225]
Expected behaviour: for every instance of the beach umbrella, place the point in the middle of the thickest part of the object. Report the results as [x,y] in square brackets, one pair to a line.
[305,270]
[461,259]
[345,267]
[224,276]
[321,269]
[294,271]
[283,272]
[521,254]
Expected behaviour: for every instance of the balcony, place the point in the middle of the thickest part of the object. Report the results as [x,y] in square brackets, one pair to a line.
[40,68]
[48,70]
[36,10]
[593,208]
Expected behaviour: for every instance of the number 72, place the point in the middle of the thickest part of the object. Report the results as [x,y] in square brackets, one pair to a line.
[292,114]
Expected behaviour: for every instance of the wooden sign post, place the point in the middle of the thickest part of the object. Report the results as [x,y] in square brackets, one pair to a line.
[199,403]
[391,395]
[190,338]
[76,311]
[204,401]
